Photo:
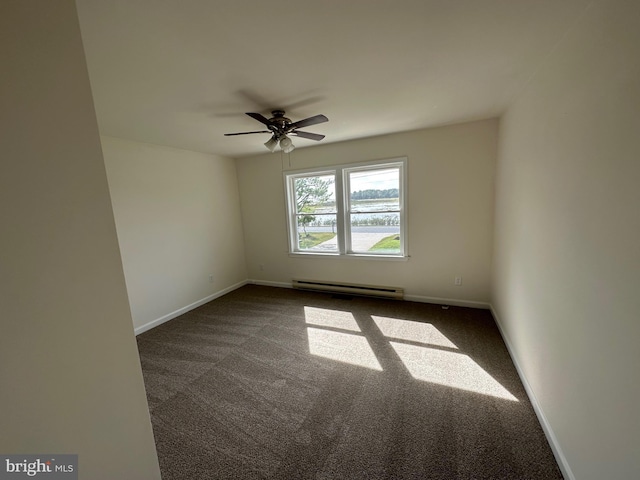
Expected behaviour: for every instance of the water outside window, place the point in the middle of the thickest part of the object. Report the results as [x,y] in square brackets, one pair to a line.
[374,211]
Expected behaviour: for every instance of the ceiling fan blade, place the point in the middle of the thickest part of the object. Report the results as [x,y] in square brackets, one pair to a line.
[309,135]
[246,133]
[308,121]
[261,118]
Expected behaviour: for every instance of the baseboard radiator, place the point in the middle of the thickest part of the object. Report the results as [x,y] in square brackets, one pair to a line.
[349,288]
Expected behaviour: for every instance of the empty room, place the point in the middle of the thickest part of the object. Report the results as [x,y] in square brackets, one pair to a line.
[328,240]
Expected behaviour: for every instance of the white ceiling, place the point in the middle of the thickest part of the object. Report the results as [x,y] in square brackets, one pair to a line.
[181,73]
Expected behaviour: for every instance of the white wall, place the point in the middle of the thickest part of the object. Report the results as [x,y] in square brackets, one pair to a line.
[567,257]
[178,218]
[69,370]
[450,212]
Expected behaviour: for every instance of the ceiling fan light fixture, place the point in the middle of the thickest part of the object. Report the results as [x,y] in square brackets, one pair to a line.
[271,144]
[286,144]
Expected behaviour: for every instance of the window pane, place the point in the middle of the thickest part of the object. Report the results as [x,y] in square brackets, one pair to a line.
[374,190]
[315,194]
[317,233]
[375,233]
[368,220]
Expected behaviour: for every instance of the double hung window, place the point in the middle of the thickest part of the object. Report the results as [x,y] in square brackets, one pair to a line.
[348,210]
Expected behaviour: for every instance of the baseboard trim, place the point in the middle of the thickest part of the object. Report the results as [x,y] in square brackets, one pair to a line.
[267,283]
[180,311]
[447,301]
[546,427]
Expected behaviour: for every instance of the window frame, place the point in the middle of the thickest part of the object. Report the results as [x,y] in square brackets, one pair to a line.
[343,204]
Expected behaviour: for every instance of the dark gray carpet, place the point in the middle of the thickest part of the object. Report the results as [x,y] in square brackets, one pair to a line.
[258,385]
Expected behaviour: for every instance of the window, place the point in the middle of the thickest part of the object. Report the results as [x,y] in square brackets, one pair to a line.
[348,210]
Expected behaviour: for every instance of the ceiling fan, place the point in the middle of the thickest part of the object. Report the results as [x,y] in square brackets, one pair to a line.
[281,127]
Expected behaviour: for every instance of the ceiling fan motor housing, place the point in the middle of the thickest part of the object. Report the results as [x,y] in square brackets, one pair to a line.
[280,122]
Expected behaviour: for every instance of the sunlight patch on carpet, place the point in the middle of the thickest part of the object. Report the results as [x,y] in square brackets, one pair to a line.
[343,347]
[427,353]
[330,318]
[412,331]
[450,369]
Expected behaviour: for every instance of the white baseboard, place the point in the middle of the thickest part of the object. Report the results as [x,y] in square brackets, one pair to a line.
[447,301]
[546,427]
[268,283]
[180,311]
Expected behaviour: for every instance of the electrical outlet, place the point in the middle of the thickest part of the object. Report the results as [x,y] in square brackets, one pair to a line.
[261,267]
[457,281]
[211,278]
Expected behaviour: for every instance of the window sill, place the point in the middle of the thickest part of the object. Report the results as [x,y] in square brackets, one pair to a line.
[349,256]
